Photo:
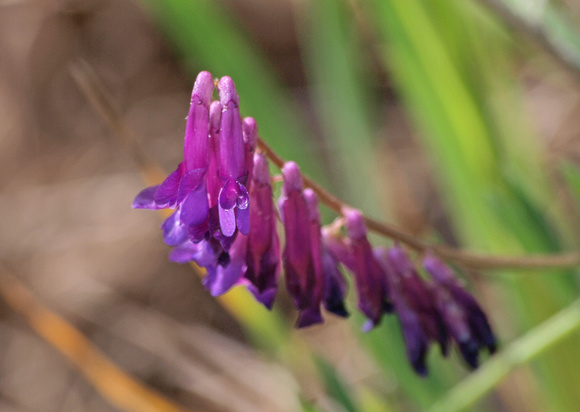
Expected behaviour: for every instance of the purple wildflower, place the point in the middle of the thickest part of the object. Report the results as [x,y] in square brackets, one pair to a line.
[185,189]
[222,186]
[233,171]
[330,284]
[336,288]
[462,315]
[414,305]
[301,278]
[263,253]
[370,277]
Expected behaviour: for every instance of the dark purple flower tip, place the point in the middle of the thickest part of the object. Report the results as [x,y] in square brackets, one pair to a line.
[466,321]
[416,296]
[227,92]
[355,224]
[292,178]
[265,297]
[250,133]
[309,317]
[335,286]
[145,199]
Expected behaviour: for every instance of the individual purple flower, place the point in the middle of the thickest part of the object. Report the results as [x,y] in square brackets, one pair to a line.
[370,277]
[185,189]
[330,285]
[415,306]
[233,198]
[463,317]
[335,284]
[301,278]
[263,252]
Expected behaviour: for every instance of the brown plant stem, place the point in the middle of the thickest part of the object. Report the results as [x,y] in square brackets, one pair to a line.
[466,259]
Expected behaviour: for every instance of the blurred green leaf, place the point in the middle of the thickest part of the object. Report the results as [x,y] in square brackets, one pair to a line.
[334,385]
[334,58]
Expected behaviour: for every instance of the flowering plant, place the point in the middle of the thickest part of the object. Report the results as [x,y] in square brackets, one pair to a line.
[225,221]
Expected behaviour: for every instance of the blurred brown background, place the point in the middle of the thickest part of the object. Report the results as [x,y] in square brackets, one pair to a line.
[66,185]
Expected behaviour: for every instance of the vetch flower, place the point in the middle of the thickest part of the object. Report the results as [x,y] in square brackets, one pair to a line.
[185,189]
[414,305]
[233,198]
[370,277]
[225,220]
[301,278]
[330,284]
[463,317]
[263,252]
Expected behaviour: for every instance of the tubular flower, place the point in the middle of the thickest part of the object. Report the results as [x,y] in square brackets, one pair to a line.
[370,277]
[263,253]
[330,284]
[413,303]
[225,220]
[298,262]
[233,196]
[185,189]
[462,315]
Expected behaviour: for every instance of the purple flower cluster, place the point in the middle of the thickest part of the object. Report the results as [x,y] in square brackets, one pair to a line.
[225,220]
[438,309]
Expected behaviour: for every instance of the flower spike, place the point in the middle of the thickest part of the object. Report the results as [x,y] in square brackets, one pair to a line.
[225,220]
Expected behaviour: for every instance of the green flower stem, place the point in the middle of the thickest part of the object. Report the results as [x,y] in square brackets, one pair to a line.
[518,353]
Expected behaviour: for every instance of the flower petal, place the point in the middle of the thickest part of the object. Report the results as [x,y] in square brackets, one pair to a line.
[243,220]
[194,208]
[227,221]
[201,253]
[309,317]
[174,232]
[145,199]
[190,182]
[166,195]
[266,297]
